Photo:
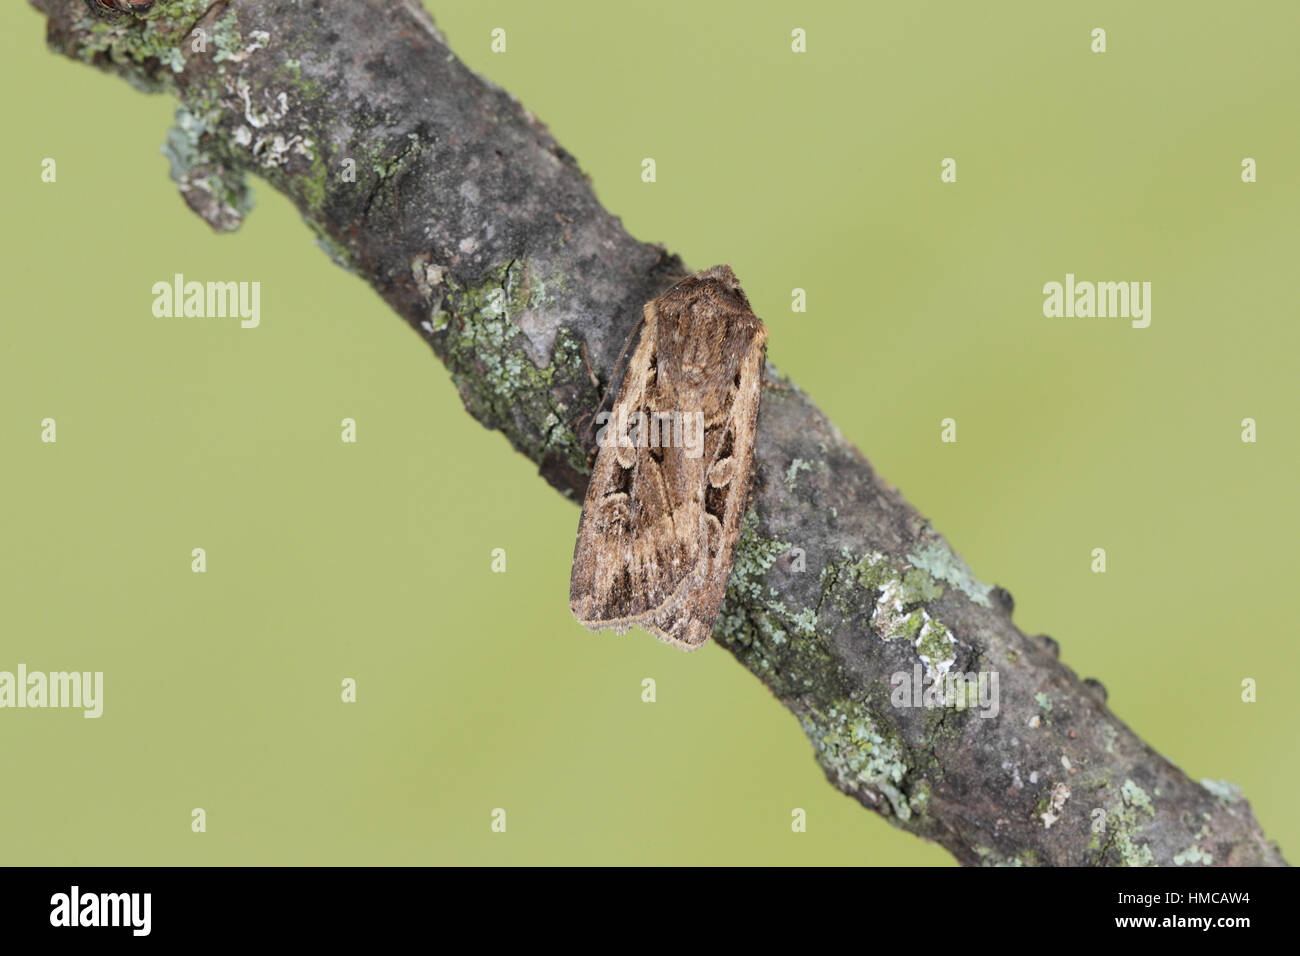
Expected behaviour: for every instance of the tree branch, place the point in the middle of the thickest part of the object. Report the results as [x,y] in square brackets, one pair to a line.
[478,229]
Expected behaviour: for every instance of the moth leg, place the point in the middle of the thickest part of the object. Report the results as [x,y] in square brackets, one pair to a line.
[595,382]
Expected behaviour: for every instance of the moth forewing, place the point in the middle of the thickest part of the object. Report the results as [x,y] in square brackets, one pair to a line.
[663,510]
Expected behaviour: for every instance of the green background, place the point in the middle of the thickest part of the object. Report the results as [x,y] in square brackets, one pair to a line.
[477,690]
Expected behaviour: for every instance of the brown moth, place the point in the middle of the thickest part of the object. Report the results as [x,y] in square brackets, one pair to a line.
[117,9]
[673,462]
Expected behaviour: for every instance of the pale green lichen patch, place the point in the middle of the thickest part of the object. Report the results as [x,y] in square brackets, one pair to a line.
[805,622]
[872,572]
[891,619]
[212,188]
[857,753]
[785,647]
[1135,796]
[1124,824]
[1109,735]
[909,585]
[230,45]
[161,35]
[780,644]
[1049,809]
[936,647]
[941,562]
[920,797]
[1132,853]
[919,586]
[898,614]
[989,859]
[1225,790]
[1192,856]
[792,473]
[486,353]
[150,49]
[754,556]
[1044,702]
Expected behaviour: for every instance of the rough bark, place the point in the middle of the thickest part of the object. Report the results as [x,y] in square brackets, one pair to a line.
[480,231]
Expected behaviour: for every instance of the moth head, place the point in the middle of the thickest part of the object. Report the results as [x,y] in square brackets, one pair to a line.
[724,275]
[117,9]
[722,285]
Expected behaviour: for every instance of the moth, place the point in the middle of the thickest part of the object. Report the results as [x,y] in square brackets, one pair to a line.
[114,9]
[673,465]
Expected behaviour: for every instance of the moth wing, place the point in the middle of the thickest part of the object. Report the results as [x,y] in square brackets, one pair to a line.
[723,487]
[649,549]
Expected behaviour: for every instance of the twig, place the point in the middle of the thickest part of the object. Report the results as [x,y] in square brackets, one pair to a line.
[484,235]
